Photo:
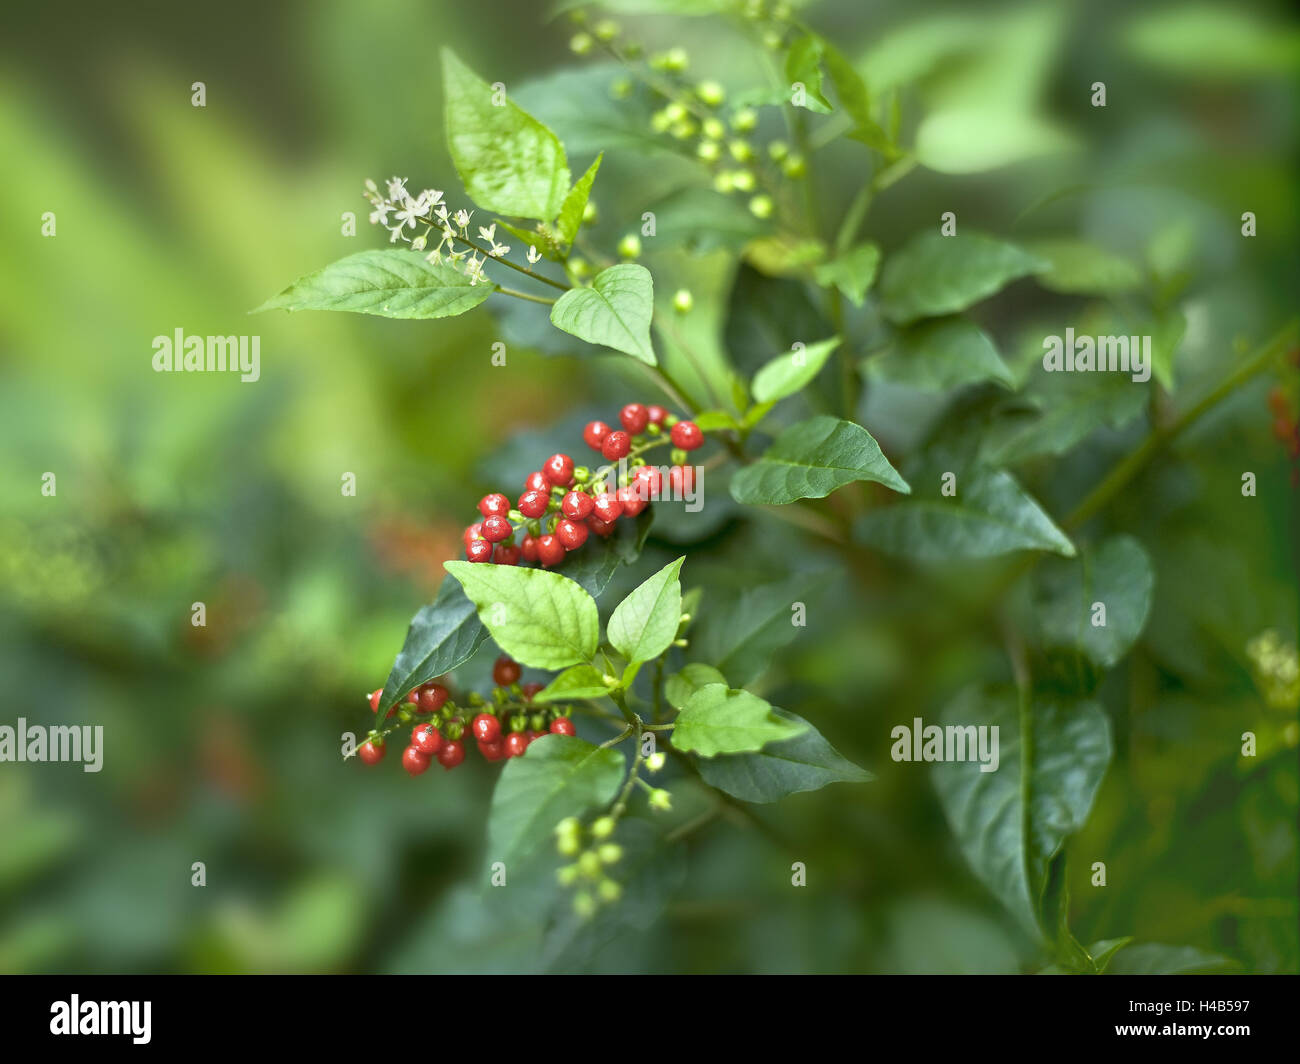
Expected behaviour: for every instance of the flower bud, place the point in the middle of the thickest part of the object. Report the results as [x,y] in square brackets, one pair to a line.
[660,799]
[656,761]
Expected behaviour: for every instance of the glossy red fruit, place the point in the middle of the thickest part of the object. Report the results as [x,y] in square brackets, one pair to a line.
[496,528]
[563,726]
[506,554]
[528,549]
[648,480]
[536,481]
[550,551]
[373,698]
[530,689]
[656,414]
[559,470]
[607,507]
[414,761]
[594,434]
[487,729]
[432,696]
[372,752]
[505,671]
[601,528]
[473,532]
[681,479]
[635,418]
[480,550]
[571,534]
[427,739]
[577,505]
[616,446]
[631,499]
[451,754]
[533,503]
[493,751]
[516,744]
[687,435]
[495,504]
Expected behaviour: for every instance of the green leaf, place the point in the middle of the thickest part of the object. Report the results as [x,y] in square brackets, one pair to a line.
[614,312]
[969,139]
[701,220]
[1103,952]
[806,762]
[538,617]
[792,371]
[393,283]
[559,776]
[1152,958]
[594,566]
[941,354]
[784,255]
[1011,822]
[1077,267]
[810,460]
[852,273]
[714,420]
[716,720]
[679,687]
[441,636]
[579,681]
[803,66]
[934,274]
[1213,41]
[644,624]
[1119,575]
[990,515]
[570,219]
[508,161]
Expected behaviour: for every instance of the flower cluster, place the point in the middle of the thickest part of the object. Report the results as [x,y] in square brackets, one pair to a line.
[501,727]
[562,503]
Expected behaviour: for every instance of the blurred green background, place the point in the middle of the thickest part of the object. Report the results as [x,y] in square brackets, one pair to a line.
[222,743]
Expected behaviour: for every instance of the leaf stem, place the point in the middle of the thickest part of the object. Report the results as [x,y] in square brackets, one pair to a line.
[525,295]
[513,265]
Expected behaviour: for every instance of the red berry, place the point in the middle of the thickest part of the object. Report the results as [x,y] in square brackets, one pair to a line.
[635,418]
[473,532]
[516,744]
[577,505]
[559,470]
[451,755]
[432,696]
[537,481]
[681,479]
[374,697]
[571,534]
[487,729]
[413,696]
[528,548]
[656,414]
[648,480]
[607,507]
[414,761]
[631,499]
[616,446]
[426,738]
[492,751]
[601,528]
[594,434]
[687,435]
[550,551]
[479,551]
[563,726]
[530,689]
[505,671]
[533,503]
[495,505]
[496,528]
[372,751]
[505,554]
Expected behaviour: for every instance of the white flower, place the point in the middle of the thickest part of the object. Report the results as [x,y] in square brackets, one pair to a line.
[371,188]
[397,189]
[461,217]
[497,250]
[379,216]
[440,212]
[489,234]
[397,233]
[418,243]
[431,196]
[474,270]
[412,210]
[534,256]
[434,256]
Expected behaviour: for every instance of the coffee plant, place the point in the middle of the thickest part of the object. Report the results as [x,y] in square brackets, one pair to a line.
[661,692]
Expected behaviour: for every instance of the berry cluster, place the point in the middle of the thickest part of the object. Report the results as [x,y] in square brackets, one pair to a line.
[501,728]
[562,503]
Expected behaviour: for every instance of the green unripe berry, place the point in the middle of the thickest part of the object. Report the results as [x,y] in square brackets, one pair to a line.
[568,875]
[621,89]
[772,40]
[656,761]
[584,905]
[684,130]
[590,215]
[778,150]
[722,181]
[609,890]
[589,864]
[678,457]
[630,246]
[683,301]
[675,112]
[713,129]
[743,181]
[606,29]
[660,799]
[676,59]
[740,151]
[711,93]
[708,151]
[580,268]
[568,846]
[761,206]
[610,853]
[602,828]
[795,166]
[580,43]
[568,826]
[659,121]
[744,120]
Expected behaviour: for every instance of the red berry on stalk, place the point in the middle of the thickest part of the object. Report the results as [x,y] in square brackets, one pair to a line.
[372,751]
[494,505]
[414,761]
[528,548]
[516,744]
[594,434]
[648,480]
[687,435]
[373,698]
[563,726]
[427,739]
[571,534]
[530,689]
[487,729]
[495,751]
[656,414]
[505,671]
[681,479]
[451,755]
[616,446]
[631,499]
[559,470]
[550,551]
[480,550]
[536,481]
[607,507]
[431,696]
[601,528]
[533,503]
[506,554]
[473,532]
[635,418]
[577,505]
[496,528]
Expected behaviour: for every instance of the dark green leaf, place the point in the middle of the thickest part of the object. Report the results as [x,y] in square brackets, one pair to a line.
[935,274]
[441,636]
[941,354]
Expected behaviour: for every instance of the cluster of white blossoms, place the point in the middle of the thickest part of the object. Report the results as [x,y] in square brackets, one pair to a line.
[397,211]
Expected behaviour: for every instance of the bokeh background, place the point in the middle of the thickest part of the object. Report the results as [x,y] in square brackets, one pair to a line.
[222,743]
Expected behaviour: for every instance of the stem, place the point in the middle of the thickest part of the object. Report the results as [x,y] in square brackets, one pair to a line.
[524,295]
[513,265]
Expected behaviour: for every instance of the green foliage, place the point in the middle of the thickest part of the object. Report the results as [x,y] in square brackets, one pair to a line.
[614,312]
[792,372]
[442,635]
[941,354]
[716,720]
[644,624]
[935,274]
